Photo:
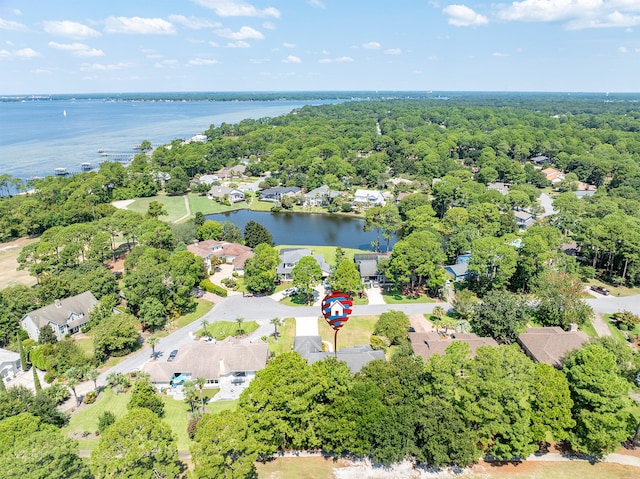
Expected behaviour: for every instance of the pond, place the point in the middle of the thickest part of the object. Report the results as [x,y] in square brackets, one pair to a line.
[307,228]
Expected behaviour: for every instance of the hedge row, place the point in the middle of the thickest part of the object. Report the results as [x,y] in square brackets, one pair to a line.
[213,288]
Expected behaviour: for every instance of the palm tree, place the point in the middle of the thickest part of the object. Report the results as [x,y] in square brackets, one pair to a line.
[277,322]
[462,326]
[204,324]
[189,390]
[72,383]
[200,382]
[92,375]
[240,320]
[153,342]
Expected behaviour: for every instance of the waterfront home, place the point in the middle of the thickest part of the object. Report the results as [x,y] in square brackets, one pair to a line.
[65,316]
[549,345]
[276,194]
[428,344]
[228,253]
[320,196]
[9,364]
[356,357]
[228,365]
[221,193]
[290,257]
[368,198]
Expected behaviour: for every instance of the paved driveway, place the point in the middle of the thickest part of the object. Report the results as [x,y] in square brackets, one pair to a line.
[375,296]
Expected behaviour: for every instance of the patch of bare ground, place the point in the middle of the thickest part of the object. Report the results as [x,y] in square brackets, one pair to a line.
[9,264]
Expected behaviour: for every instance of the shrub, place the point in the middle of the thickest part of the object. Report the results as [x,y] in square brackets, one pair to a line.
[229,282]
[380,342]
[57,392]
[105,420]
[39,358]
[207,285]
[49,377]
[192,426]
[90,397]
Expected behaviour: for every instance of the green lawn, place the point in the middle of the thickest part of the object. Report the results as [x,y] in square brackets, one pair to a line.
[588,328]
[286,334]
[357,330]
[394,297]
[86,344]
[257,205]
[202,308]
[207,206]
[174,205]
[614,290]
[224,329]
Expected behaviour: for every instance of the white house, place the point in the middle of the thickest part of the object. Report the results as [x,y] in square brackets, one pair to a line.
[368,198]
[65,316]
[234,195]
[9,364]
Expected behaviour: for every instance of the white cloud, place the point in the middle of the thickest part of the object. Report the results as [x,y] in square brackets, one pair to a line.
[11,25]
[371,45]
[393,51]
[238,8]
[202,62]
[238,44]
[463,16]
[66,28]
[77,49]
[623,49]
[432,58]
[259,61]
[214,44]
[269,26]
[27,53]
[289,45]
[245,33]
[193,23]
[500,54]
[316,3]
[5,53]
[575,14]
[336,60]
[101,67]
[139,25]
[292,59]
[166,63]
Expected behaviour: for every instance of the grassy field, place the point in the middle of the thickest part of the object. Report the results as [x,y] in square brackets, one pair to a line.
[176,416]
[257,205]
[325,468]
[9,265]
[614,290]
[286,333]
[394,297]
[207,206]
[358,330]
[224,329]
[588,328]
[202,308]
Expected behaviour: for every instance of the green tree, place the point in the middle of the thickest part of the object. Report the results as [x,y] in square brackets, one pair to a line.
[200,383]
[189,390]
[501,315]
[346,278]
[210,230]
[47,336]
[255,234]
[137,445]
[36,450]
[106,419]
[23,355]
[153,342]
[277,322]
[551,405]
[260,270]
[178,184]
[393,325]
[306,275]
[600,398]
[92,374]
[224,447]
[156,209]
[36,379]
[152,314]
[145,395]
[560,300]
[239,322]
[116,336]
[492,264]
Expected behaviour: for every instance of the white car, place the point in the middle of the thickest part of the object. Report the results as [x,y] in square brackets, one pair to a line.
[290,291]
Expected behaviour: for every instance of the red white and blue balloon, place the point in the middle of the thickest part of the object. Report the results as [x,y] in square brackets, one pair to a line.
[336,308]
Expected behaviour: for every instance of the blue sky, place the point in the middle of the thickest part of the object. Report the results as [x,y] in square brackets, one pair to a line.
[281,45]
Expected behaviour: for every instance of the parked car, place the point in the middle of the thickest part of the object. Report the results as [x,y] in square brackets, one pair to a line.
[290,291]
[172,355]
[600,289]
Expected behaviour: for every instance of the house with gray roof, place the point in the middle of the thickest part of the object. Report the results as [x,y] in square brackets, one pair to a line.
[9,364]
[65,316]
[524,218]
[430,343]
[368,266]
[321,196]
[460,270]
[549,345]
[276,194]
[368,198]
[291,256]
[229,365]
[356,357]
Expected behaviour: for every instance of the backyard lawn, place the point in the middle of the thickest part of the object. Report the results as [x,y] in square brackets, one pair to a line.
[176,416]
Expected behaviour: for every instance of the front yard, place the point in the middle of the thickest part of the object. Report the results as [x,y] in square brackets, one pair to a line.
[394,296]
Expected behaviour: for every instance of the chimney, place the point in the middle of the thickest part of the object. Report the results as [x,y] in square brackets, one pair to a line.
[222,369]
[573,327]
[58,303]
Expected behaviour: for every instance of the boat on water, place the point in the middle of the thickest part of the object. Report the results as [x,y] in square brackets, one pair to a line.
[64,113]
[85,166]
[61,172]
